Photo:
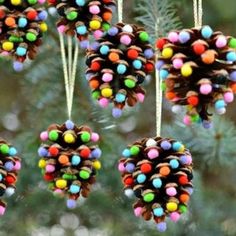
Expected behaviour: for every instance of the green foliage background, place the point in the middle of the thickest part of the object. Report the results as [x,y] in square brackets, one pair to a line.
[35,98]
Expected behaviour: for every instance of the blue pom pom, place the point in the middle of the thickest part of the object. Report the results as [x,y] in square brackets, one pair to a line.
[69,124]
[130,167]
[207,124]
[22,22]
[96,153]
[176,146]
[121,69]
[159,64]
[20,51]
[137,64]
[17,66]
[158,211]
[165,145]
[141,178]
[9,165]
[42,152]
[148,53]
[161,227]
[184,37]
[219,104]
[120,97]
[163,74]
[113,31]
[94,46]
[116,112]
[80,2]
[74,189]
[126,153]
[174,164]
[71,204]
[84,44]
[104,49]
[42,15]
[82,30]
[75,160]
[183,160]
[232,76]
[12,151]
[157,183]
[206,32]
[231,56]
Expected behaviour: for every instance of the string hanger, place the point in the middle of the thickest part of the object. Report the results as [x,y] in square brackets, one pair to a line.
[69,63]
[120,10]
[197,12]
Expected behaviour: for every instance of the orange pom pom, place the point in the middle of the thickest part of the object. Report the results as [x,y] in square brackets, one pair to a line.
[10,21]
[63,159]
[170,95]
[165,170]
[93,84]
[113,57]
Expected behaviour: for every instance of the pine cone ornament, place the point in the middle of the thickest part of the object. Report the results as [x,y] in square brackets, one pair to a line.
[198,70]
[22,24]
[10,164]
[81,17]
[118,64]
[158,171]
[69,160]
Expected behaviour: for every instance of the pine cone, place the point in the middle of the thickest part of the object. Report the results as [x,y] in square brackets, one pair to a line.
[158,171]
[10,164]
[117,66]
[21,30]
[198,69]
[82,17]
[69,162]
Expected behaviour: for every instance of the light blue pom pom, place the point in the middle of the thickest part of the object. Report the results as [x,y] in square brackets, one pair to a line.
[20,51]
[231,56]
[80,2]
[104,49]
[121,69]
[74,189]
[82,29]
[22,22]
[137,64]
[120,97]
[126,153]
[158,211]
[157,183]
[141,178]
[75,160]
[12,151]
[163,74]
[220,104]
[174,164]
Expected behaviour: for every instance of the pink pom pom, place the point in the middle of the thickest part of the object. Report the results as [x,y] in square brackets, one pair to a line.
[61,29]
[174,216]
[103,102]
[44,136]
[97,34]
[107,77]
[138,211]
[58,191]
[41,1]
[95,137]
[221,41]
[171,191]
[140,97]
[17,165]
[205,89]
[177,63]
[5,53]
[121,167]
[189,160]
[228,97]
[125,39]
[2,210]
[187,120]
[153,153]
[94,9]
[50,168]
[173,37]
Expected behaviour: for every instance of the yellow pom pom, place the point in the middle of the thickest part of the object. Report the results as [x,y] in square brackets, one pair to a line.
[95,24]
[181,149]
[186,70]
[69,138]
[42,163]
[167,53]
[7,46]
[97,165]
[15,2]
[107,92]
[61,183]
[171,206]
[43,27]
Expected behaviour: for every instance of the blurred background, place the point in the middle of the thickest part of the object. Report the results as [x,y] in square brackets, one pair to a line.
[35,98]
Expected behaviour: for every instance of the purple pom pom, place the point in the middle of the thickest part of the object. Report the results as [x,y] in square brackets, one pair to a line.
[161,227]
[71,204]
[84,44]
[130,167]
[148,53]
[9,166]
[94,46]
[69,124]
[113,31]
[17,66]
[116,112]
[207,124]
[165,145]
[159,64]
[96,153]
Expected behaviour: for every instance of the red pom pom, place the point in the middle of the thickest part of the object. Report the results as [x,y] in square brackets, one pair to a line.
[32,14]
[129,181]
[183,180]
[10,179]
[199,48]
[193,100]
[146,168]
[48,177]
[160,43]
[95,66]
[149,67]
[85,152]
[53,151]
[132,54]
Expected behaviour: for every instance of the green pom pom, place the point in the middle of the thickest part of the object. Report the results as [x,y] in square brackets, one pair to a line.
[130,83]
[106,26]
[32,1]
[195,118]
[72,15]
[84,174]
[4,148]
[149,197]
[31,37]
[68,177]
[96,95]
[85,136]
[134,150]
[144,36]
[232,43]
[183,208]
[53,135]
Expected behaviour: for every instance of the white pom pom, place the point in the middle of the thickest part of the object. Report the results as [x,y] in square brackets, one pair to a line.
[221,111]
[52,11]
[151,142]
[9,191]
[127,29]
[176,109]
[129,192]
